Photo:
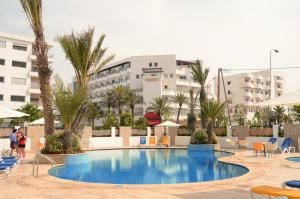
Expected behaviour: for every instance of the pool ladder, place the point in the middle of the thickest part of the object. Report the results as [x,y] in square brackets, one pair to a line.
[35,163]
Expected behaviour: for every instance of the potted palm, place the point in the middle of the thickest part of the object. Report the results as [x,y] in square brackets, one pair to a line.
[205,140]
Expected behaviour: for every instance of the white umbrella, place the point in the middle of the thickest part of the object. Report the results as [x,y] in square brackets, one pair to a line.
[168,124]
[10,113]
[289,99]
[41,122]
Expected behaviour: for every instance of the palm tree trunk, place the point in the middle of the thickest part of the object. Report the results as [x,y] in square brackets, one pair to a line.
[178,114]
[132,113]
[77,125]
[203,99]
[68,141]
[44,72]
[210,133]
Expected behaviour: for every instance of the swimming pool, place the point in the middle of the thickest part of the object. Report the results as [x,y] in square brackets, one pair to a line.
[294,159]
[147,166]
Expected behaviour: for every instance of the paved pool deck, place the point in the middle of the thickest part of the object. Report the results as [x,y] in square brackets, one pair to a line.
[263,170]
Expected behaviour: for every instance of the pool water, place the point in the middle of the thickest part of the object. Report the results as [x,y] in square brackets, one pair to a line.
[147,166]
[294,159]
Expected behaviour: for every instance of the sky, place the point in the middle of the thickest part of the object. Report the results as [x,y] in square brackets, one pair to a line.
[231,34]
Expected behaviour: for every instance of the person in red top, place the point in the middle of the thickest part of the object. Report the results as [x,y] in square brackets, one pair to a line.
[18,133]
[22,144]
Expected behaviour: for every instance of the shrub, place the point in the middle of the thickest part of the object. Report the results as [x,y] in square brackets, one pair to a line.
[140,124]
[126,119]
[191,119]
[110,120]
[199,137]
[54,144]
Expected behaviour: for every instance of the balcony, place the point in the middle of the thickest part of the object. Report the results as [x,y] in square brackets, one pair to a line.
[248,84]
[183,82]
[168,91]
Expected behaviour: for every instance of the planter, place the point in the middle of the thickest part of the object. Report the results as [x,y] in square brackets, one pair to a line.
[203,147]
[65,158]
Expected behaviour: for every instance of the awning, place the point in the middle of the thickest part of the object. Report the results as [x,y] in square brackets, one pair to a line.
[40,122]
[10,113]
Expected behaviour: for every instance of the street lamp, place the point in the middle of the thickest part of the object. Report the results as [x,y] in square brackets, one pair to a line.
[276,51]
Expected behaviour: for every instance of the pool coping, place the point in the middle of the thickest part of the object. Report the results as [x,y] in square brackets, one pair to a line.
[227,160]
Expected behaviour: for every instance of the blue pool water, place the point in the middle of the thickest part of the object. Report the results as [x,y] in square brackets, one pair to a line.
[147,166]
[294,159]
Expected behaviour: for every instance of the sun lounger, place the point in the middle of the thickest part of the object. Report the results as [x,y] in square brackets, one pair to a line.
[286,145]
[152,140]
[275,192]
[292,184]
[258,147]
[143,140]
[270,148]
[4,171]
[272,140]
[166,140]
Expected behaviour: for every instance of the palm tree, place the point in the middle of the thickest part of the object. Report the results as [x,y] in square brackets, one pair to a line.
[212,111]
[180,99]
[160,106]
[68,104]
[33,11]
[278,114]
[200,75]
[191,118]
[119,93]
[107,100]
[86,61]
[132,99]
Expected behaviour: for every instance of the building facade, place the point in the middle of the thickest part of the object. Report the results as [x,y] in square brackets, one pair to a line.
[149,76]
[19,81]
[249,89]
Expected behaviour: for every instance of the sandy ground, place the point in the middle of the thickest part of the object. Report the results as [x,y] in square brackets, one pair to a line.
[263,170]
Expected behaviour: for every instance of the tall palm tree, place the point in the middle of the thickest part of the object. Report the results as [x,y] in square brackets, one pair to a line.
[180,99]
[132,99]
[212,110]
[160,106]
[278,114]
[86,59]
[191,118]
[200,75]
[119,94]
[107,100]
[33,11]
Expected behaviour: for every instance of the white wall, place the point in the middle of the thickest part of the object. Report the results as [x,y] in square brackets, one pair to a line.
[182,140]
[5,144]
[99,142]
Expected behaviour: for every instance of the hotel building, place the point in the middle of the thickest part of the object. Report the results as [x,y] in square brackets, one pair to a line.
[250,88]
[149,76]
[19,80]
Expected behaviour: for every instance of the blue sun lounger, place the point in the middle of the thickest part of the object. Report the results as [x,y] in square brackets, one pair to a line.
[4,171]
[272,140]
[286,145]
[292,184]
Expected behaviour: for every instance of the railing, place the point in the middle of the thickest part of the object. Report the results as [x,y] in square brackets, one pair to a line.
[261,132]
[104,133]
[136,132]
[183,131]
[35,163]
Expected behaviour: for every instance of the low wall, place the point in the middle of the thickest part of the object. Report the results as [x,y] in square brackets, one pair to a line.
[100,142]
[5,144]
[182,140]
[293,131]
[135,140]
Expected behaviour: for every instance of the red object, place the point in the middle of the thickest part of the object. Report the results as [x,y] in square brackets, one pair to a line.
[153,122]
[151,116]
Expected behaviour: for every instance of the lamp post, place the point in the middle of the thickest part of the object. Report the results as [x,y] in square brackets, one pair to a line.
[276,51]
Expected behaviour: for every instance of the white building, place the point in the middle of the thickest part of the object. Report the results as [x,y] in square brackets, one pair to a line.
[250,88]
[19,81]
[150,76]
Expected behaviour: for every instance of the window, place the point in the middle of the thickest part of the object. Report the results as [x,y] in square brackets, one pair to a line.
[266,92]
[2,44]
[34,99]
[278,94]
[2,61]
[247,90]
[155,64]
[171,75]
[229,92]
[166,86]
[18,81]
[19,64]
[166,75]
[228,82]
[17,98]
[150,64]
[267,83]
[182,77]
[278,77]
[1,97]
[1,79]
[251,100]
[20,47]
[247,80]
[278,85]
[137,76]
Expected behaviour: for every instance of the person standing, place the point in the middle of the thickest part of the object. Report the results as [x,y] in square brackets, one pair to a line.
[22,144]
[13,141]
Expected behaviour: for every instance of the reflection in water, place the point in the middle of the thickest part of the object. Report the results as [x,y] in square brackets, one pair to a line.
[149,166]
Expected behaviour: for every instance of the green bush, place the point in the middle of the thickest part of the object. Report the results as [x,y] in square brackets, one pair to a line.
[126,119]
[110,120]
[199,137]
[54,144]
[191,120]
[140,124]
